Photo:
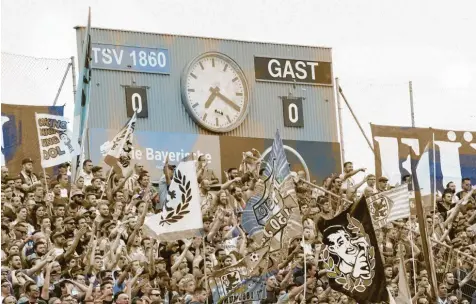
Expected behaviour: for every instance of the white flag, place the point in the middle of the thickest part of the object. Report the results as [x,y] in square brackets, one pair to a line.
[118,150]
[56,142]
[182,216]
[389,205]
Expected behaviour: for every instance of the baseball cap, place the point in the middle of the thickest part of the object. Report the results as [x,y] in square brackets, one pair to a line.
[383,179]
[77,192]
[26,161]
[69,219]
[56,234]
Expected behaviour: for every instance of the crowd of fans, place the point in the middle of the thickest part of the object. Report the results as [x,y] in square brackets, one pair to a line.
[81,241]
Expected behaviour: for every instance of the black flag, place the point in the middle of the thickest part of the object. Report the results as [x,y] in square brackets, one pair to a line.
[351,255]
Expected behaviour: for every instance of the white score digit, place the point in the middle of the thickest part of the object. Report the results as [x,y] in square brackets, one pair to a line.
[136,103]
[293,113]
[143,58]
[161,59]
[133,55]
[152,59]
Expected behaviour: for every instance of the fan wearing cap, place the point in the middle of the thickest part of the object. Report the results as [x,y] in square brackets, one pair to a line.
[382,184]
[29,179]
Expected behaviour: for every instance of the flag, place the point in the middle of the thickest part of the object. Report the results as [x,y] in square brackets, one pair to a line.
[257,261]
[226,280]
[82,98]
[389,206]
[118,150]
[351,255]
[404,294]
[55,140]
[277,163]
[182,216]
[259,208]
[427,253]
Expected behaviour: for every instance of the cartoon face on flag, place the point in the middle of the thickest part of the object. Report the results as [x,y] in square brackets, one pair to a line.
[351,255]
[350,258]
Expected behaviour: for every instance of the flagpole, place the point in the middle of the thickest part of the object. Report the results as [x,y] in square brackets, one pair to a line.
[305,268]
[434,181]
[325,190]
[413,256]
[205,266]
[107,181]
[46,182]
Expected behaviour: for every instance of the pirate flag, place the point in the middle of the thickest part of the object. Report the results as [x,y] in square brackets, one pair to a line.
[351,255]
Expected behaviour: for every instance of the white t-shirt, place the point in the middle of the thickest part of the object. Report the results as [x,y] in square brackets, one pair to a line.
[347,183]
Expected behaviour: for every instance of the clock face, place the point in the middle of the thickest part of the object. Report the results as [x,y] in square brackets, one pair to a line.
[215,92]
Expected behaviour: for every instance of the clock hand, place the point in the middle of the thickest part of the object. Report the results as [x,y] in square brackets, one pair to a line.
[211,98]
[228,101]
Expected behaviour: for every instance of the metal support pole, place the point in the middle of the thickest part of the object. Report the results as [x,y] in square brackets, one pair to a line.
[73,71]
[61,85]
[339,117]
[410,88]
[356,120]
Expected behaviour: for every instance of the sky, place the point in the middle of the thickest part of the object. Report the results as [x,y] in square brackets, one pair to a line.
[377,48]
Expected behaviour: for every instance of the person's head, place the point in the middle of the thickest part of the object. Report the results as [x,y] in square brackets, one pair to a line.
[164,279]
[371,180]
[271,282]
[382,183]
[451,186]
[4,173]
[138,168]
[6,287]
[119,196]
[232,173]
[442,290]
[14,261]
[32,290]
[237,193]
[63,180]
[200,295]
[97,171]
[103,208]
[40,248]
[39,211]
[448,196]
[348,167]
[466,184]
[423,300]
[205,185]
[69,224]
[449,278]
[16,202]
[17,182]
[8,193]
[452,299]
[121,298]
[96,182]
[143,180]
[388,270]
[406,179]
[222,197]
[9,299]
[27,165]
[22,214]
[336,183]
[80,182]
[39,192]
[106,288]
[87,166]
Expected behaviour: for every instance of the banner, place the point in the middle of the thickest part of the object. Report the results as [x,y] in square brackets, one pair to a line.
[389,206]
[20,136]
[56,142]
[398,149]
[317,159]
[181,217]
[232,284]
[118,150]
[351,255]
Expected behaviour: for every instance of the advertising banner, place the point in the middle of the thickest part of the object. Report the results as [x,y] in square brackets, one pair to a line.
[317,159]
[437,156]
[20,135]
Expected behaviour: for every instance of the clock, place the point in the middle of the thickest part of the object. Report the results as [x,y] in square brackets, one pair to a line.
[215,92]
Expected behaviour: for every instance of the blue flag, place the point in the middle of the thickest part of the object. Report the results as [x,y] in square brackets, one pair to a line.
[277,160]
